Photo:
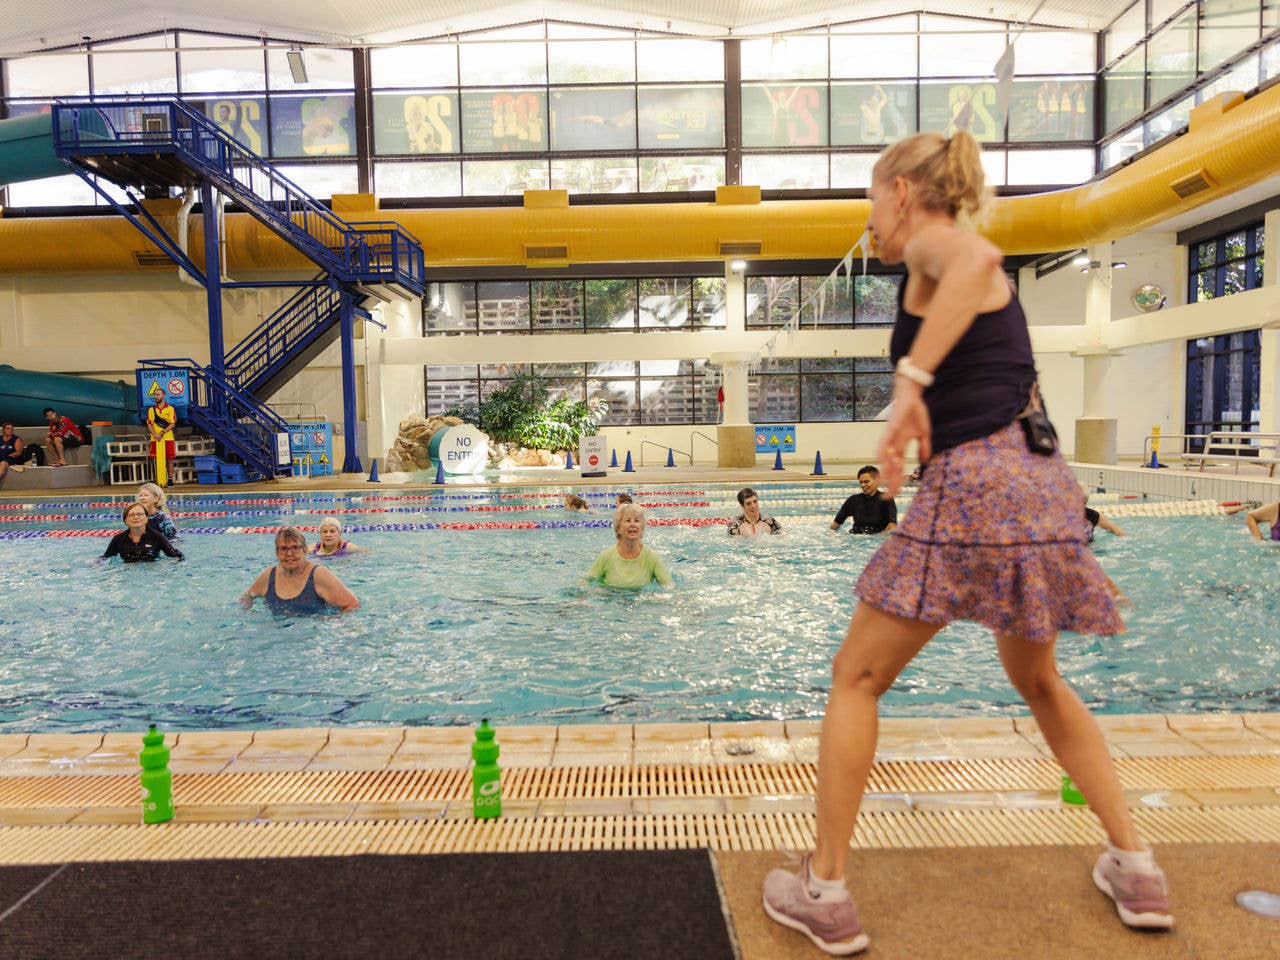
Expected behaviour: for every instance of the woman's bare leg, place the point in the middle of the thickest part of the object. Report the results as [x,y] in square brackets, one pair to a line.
[1071,732]
[876,648]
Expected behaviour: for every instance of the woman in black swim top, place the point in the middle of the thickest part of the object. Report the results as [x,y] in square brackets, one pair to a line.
[295,585]
[139,543]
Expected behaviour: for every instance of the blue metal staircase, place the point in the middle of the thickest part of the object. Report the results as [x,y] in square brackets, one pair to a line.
[155,144]
[164,143]
[239,421]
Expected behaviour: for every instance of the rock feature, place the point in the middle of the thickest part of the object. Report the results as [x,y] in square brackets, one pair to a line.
[409,452]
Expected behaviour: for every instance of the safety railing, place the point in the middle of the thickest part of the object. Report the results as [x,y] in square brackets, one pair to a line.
[698,433]
[239,421]
[375,251]
[1185,444]
[665,450]
[293,326]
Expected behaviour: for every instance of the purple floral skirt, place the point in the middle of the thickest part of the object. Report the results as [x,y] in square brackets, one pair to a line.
[995,534]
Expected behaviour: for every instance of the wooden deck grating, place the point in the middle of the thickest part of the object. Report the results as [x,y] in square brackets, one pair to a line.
[780,831]
[642,781]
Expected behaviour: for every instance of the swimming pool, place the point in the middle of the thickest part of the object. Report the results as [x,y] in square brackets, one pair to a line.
[462,623]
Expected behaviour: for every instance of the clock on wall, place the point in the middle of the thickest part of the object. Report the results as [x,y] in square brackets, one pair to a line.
[1148,297]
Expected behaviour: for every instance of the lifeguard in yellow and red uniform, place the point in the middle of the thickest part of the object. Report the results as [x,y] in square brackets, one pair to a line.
[161,419]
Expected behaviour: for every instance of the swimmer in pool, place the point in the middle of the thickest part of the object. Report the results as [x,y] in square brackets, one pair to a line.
[295,585]
[331,543]
[575,503]
[139,543]
[751,521]
[623,498]
[1268,515]
[629,563]
[153,500]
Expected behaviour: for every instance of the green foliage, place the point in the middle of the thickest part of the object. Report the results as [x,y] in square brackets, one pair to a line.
[523,413]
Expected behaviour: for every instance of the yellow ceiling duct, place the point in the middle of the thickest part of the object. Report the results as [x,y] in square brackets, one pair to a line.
[1232,144]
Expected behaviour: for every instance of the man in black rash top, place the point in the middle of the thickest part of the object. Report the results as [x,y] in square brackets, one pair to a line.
[871,512]
[138,544]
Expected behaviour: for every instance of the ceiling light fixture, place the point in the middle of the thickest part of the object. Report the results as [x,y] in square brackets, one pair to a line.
[297,68]
[737,266]
[1086,264]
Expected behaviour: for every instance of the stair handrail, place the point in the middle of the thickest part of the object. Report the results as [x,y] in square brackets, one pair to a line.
[282,329]
[225,159]
[248,401]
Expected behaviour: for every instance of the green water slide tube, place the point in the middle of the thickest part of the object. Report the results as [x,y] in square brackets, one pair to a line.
[26,144]
[25,393]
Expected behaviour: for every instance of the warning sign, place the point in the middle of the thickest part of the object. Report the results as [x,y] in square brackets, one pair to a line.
[772,438]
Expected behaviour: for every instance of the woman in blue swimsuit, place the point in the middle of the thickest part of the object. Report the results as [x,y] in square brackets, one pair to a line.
[296,586]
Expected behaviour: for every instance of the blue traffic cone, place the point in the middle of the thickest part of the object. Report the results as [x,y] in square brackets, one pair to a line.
[628,468]
[1155,463]
[373,471]
[568,459]
[671,457]
[817,466]
[613,460]
[440,471]
[777,461]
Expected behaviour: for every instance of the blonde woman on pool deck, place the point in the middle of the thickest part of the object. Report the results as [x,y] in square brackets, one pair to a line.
[629,563]
[994,535]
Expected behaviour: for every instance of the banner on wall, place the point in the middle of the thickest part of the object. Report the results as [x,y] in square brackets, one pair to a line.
[872,113]
[784,115]
[961,105]
[597,118]
[685,117]
[415,123]
[504,121]
[244,118]
[313,126]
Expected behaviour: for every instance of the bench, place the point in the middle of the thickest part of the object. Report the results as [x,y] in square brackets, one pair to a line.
[1236,447]
[77,473]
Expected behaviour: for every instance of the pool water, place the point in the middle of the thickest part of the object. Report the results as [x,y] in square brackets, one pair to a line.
[459,624]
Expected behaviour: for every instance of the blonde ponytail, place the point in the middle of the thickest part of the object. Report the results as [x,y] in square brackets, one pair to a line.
[947,172]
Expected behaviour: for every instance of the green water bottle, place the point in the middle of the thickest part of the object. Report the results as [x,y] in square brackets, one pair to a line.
[157,781]
[486,782]
[1071,793]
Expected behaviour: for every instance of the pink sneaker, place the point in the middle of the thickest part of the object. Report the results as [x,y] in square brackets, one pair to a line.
[833,925]
[1141,897]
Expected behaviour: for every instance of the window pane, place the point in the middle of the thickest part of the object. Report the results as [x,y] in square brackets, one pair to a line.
[777,115]
[1162,10]
[557,305]
[872,113]
[415,65]
[773,399]
[600,61]
[326,69]
[624,408]
[1271,59]
[878,56]
[708,302]
[1171,58]
[876,300]
[415,123]
[222,69]
[51,76]
[611,304]
[52,192]
[852,169]
[145,65]
[1128,29]
[484,178]
[593,118]
[445,395]
[660,60]
[564,371]
[594,175]
[313,126]
[961,105]
[1169,120]
[449,308]
[1122,91]
[785,57]
[1243,77]
[418,179]
[663,174]
[827,302]
[681,117]
[1055,51]
[665,304]
[872,392]
[1050,167]
[771,300]
[244,118]
[1050,111]
[501,305]
[668,400]
[323,180]
[1226,28]
[960,54]
[1123,148]
[489,64]
[993,165]
[504,121]
[613,369]
[793,171]
[828,397]
[452,371]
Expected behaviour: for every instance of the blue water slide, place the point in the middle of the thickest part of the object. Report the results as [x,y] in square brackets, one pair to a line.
[26,145]
[25,393]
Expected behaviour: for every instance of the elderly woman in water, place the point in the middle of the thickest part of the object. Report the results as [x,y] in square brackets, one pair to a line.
[629,563]
[296,586]
[331,543]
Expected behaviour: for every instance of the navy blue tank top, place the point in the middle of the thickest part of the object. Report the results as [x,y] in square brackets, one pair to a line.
[984,382]
[8,446]
[306,602]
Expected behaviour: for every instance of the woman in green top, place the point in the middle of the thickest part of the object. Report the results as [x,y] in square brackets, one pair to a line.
[629,563]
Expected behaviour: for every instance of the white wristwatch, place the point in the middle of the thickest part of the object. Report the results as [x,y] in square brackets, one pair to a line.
[913,373]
